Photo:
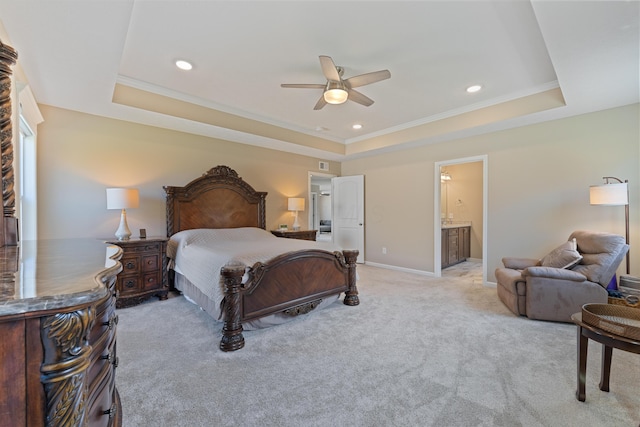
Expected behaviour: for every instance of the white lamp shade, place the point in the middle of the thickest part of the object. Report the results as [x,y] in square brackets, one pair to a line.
[609,194]
[122,198]
[296,204]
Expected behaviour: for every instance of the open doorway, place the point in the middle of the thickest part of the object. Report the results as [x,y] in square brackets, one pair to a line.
[455,206]
[320,208]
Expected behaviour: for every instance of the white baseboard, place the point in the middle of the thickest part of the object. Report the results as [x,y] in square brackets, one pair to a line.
[406,270]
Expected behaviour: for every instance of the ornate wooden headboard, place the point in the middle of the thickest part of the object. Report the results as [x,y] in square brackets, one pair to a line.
[217,199]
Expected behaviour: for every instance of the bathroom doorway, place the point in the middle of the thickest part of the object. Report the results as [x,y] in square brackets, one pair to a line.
[461,200]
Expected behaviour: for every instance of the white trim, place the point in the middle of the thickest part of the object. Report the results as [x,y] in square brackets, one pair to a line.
[403,269]
[29,109]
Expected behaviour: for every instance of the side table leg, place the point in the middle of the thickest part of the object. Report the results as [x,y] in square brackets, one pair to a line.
[606,367]
[583,343]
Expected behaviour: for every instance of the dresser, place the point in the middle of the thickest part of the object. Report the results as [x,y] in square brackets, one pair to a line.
[58,327]
[144,270]
[296,234]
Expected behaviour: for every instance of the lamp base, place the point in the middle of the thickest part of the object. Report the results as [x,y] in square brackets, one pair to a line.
[123,232]
[296,225]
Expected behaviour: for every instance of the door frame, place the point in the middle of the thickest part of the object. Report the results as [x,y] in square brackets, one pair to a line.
[437,226]
[321,175]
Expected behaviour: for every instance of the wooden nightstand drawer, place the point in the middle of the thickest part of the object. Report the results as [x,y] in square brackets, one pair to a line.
[130,265]
[150,262]
[151,281]
[128,285]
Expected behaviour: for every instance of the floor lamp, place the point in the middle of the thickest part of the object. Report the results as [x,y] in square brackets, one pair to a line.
[613,195]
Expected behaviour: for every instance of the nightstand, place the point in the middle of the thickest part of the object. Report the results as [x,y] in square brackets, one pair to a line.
[296,234]
[144,270]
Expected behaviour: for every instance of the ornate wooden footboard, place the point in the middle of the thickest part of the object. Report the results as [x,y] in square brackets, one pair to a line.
[293,283]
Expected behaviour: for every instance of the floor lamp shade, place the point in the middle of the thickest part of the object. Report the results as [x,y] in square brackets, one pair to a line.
[613,195]
[296,204]
[123,198]
[609,194]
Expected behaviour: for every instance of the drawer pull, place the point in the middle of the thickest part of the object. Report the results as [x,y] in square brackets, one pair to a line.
[111,412]
[111,323]
[130,283]
[116,294]
[130,265]
[151,280]
[108,357]
[114,360]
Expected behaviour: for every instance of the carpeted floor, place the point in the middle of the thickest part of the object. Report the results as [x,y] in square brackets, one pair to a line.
[417,351]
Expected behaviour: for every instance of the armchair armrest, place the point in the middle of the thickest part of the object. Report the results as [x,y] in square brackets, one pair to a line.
[520,263]
[554,273]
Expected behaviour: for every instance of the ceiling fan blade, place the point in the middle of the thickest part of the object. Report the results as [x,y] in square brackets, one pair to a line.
[321,103]
[304,86]
[365,79]
[329,68]
[356,96]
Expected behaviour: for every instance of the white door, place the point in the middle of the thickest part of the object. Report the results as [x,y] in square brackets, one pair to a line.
[347,201]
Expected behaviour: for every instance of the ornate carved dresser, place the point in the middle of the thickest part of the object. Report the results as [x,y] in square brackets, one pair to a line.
[58,334]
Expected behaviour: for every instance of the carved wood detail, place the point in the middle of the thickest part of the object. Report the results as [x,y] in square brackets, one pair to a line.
[8,58]
[302,309]
[66,359]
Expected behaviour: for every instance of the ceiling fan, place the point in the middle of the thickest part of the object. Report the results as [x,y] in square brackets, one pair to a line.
[337,90]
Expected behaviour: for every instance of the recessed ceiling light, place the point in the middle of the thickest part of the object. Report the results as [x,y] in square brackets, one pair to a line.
[357,126]
[474,88]
[183,65]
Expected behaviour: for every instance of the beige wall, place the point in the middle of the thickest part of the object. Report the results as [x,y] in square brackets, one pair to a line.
[79,155]
[538,188]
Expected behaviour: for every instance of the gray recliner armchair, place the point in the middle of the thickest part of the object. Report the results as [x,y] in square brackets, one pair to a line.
[558,285]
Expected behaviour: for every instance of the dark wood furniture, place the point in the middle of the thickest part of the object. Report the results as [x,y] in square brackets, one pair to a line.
[456,245]
[293,282]
[609,341]
[8,221]
[144,270]
[296,234]
[58,328]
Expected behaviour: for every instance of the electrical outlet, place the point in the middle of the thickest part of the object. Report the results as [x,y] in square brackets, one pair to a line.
[384,251]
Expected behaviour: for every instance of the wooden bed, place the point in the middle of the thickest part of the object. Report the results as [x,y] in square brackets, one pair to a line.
[291,283]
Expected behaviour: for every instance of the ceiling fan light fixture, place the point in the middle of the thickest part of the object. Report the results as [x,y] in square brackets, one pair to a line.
[335,93]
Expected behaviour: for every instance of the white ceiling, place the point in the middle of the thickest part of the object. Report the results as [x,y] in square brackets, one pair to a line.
[75,53]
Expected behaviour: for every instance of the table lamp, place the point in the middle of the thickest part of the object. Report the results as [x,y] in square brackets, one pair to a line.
[296,204]
[122,198]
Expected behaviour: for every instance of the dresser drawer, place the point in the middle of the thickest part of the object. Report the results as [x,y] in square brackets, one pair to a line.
[103,409]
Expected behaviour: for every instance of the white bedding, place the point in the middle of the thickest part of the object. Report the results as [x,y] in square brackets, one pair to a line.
[200,254]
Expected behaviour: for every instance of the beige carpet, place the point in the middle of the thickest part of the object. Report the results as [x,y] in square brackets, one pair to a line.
[417,351]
